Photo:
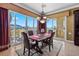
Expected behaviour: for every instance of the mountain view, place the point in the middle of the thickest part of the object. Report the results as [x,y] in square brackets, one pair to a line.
[17,27]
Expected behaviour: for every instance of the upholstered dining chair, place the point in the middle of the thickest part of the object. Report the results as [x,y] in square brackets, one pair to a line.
[50,31]
[49,40]
[29,46]
[30,32]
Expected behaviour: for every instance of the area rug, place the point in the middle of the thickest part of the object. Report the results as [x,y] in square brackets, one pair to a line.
[57,45]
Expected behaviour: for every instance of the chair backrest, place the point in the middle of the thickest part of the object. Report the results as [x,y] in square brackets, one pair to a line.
[26,40]
[52,34]
[30,32]
[50,31]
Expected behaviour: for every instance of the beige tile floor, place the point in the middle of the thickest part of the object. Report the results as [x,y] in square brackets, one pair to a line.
[9,52]
[68,49]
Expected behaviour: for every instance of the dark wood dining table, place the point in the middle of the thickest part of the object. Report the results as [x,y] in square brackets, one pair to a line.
[39,38]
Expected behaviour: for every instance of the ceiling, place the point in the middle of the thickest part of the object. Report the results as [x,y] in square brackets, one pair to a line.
[50,7]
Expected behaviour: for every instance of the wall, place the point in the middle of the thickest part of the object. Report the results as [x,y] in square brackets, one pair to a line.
[68,13]
[70,24]
[13,7]
[60,32]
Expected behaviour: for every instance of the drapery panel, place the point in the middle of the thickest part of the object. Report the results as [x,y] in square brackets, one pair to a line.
[4,40]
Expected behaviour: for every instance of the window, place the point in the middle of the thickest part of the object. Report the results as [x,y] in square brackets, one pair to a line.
[17,25]
[54,24]
[35,25]
[30,23]
[49,24]
[12,23]
[21,23]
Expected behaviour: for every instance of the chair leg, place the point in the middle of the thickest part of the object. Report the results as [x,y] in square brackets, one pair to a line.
[24,52]
[49,46]
[28,52]
[52,43]
[42,44]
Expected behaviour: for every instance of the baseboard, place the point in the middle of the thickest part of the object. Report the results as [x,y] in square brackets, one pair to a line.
[57,38]
[62,39]
[69,41]
[4,47]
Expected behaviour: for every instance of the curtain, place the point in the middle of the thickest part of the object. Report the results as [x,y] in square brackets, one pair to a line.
[4,40]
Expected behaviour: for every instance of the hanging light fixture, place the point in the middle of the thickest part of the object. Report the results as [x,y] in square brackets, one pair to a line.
[42,17]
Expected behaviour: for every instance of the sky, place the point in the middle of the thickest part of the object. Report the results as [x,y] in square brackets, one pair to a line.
[21,20]
[51,23]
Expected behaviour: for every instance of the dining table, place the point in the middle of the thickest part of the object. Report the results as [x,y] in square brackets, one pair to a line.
[40,38]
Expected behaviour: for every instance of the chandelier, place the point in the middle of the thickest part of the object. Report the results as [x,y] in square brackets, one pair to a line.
[42,17]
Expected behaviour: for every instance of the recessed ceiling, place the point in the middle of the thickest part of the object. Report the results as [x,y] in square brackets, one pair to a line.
[50,7]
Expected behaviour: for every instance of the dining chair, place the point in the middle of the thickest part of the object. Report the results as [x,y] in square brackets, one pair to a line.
[51,37]
[50,31]
[30,32]
[49,41]
[29,45]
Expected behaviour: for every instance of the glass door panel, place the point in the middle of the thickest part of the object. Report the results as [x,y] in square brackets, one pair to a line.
[35,26]
[17,25]
[49,24]
[20,27]
[12,28]
[30,23]
[54,26]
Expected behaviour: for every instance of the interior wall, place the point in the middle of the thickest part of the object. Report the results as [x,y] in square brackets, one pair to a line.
[16,8]
[60,32]
[60,14]
[70,23]
[70,26]
[59,17]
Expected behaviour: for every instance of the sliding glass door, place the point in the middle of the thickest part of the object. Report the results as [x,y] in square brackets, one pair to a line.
[51,25]
[35,25]
[17,25]
[20,23]
[20,27]
[12,28]
[30,23]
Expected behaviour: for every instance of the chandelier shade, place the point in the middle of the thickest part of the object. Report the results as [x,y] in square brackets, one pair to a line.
[42,17]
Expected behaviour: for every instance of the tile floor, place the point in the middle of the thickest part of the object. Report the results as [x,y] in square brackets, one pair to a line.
[68,49]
